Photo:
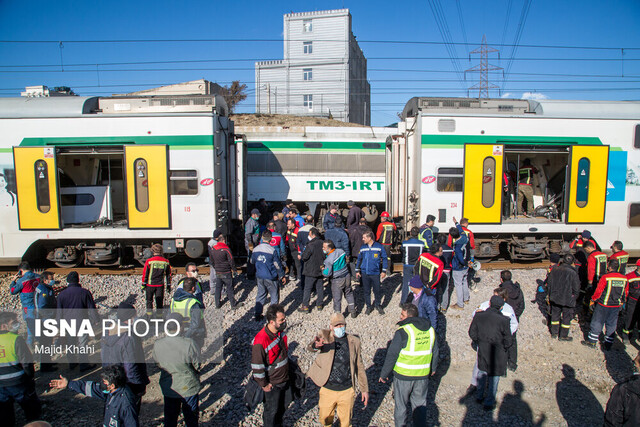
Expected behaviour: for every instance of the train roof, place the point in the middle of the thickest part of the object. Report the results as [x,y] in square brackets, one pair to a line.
[522,107]
[55,106]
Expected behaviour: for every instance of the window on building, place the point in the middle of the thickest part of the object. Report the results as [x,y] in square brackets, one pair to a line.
[307,47]
[307,74]
[449,179]
[183,182]
[307,26]
[308,101]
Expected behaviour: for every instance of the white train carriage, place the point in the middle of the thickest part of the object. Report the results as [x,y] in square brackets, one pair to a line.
[315,166]
[89,180]
[449,157]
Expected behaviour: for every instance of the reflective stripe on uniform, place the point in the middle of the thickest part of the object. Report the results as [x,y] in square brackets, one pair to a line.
[413,367]
[11,375]
[414,359]
[257,366]
[87,388]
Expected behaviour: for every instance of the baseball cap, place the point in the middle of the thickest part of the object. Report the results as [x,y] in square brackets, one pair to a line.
[217,233]
[337,318]
[255,211]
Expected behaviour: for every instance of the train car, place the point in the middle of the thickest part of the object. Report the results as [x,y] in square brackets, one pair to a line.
[315,166]
[97,180]
[450,154]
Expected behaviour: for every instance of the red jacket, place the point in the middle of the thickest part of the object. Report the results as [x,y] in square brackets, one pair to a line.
[269,357]
[596,265]
[623,259]
[469,233]
[429,268]
[634,285]
[617,290]
[384,235]
[156,269]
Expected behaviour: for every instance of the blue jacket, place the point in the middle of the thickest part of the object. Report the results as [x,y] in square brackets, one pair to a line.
[279,246]
[427,307]
[372,260]
[267,262]
[127,351]
[299,221]
[460,255]
[335,264]
[339,238]
[45,300]
[329,220]
[119,406]
[412,248]
[26,288]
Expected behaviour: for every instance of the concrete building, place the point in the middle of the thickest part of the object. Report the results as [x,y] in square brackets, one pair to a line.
[323,73]
[195,87]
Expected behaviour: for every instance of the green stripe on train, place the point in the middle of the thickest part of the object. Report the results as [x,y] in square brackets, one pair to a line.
[449,141]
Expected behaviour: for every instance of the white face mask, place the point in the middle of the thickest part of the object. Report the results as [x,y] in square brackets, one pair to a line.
[339,332]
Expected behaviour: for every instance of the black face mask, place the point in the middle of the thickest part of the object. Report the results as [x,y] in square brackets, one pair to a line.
[282,327]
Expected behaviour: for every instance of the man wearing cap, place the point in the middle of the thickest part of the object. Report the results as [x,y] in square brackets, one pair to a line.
[337,369]
[179,360]
[330,217]
[155,276]
[632,310]
[491,335]
[75,303]
[224,265]
[423,298]
[120,347]
[412,356]
[621,255]
[563,285]
[355,214]
[371,268]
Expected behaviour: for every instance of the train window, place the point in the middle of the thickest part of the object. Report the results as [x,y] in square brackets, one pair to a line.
[43,199]
[488,182]
[370,145]
[183,182]
[582,187]
[256,145]
[636,139]
[313,145]
[634,215]
[141,185]
[446,125]
[77,199]
[449,179]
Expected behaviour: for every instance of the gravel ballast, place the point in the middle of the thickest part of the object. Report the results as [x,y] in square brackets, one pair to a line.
[556,383]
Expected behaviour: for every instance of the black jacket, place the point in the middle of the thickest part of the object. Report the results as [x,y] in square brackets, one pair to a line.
[74,298]
[127,351]
[356,232]
[515,297]
[313,258]
[355,213]
[195,328]
[281,227]
[399,342]
[119,406]
[491,335]
[563,285]
[623,408]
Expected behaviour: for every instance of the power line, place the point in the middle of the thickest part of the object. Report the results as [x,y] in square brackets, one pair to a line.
[516,42]
[464,31]
[506,22]
[443,28]
[617,48]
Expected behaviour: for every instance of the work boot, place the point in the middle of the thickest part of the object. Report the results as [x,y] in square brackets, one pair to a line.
[369,310]
[588,344]
[380,310]
[304,309]
[565,339]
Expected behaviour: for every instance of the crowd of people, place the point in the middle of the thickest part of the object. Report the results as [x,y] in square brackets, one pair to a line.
[288,248]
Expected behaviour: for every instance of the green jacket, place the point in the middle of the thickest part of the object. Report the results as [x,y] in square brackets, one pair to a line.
[179,361]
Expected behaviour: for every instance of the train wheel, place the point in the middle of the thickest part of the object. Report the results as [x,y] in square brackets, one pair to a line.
[66,256]
[70,264]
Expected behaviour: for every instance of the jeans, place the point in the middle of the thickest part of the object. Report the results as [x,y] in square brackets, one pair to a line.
[407,274]
[340,402]
[414,392]
[603,316]
[157,293]
[275,403]
[491,385]
[24,395]
[369,282]
[264,286]
[309,283]
[190,410]
[295,262]
[225,279]
[339,286]
[461,285]
[443,291]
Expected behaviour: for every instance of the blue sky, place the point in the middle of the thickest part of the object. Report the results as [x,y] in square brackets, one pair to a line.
[397,72]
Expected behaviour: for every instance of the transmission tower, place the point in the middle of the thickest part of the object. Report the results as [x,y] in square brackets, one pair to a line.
[483,68]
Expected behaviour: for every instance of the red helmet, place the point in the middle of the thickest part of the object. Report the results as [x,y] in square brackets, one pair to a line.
[384,214]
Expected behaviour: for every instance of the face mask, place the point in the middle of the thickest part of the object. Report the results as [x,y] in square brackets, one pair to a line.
[15,327]
[324,252]
[282,327]
[339,332]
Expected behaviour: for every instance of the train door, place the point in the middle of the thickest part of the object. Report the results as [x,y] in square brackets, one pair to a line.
[482,183]
[37,188]
[147,186]
[588,169]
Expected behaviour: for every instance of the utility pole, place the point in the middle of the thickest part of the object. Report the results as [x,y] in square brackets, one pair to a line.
[268,98]
[483,68]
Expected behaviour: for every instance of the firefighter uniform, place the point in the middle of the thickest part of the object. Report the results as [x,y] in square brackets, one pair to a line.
[609,296]
[429,268]
[596,267]
[384,234]
[631,309]
[623,259]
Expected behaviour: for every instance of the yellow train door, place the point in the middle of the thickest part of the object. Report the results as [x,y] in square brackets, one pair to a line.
[482,183]
[37,188]
[586,198]
[147,184]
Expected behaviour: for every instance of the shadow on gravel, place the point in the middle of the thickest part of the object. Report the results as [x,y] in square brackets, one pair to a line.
[514,410]
[619,363]
[377,391]
[577,404]
[475,415]
[388,288]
